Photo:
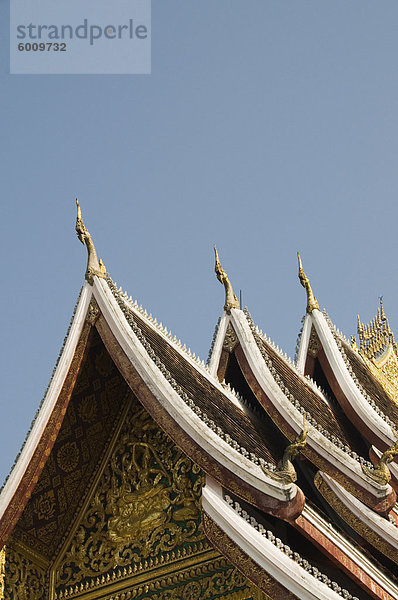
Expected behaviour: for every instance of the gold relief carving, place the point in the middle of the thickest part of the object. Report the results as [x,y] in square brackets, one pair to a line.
[286,473]
[352,520]
[314,345]
[212,580]
[44,506]
[16,506]
[230,339]
[381,473]
[93,313]
[23,579]
[145,509]
[385,371]
[68,457]
[379,350]
[88,409]
[247,566]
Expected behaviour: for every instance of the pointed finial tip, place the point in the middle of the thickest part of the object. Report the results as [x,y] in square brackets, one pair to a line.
[93,266]
[311,300]
[300,264]
[231,300]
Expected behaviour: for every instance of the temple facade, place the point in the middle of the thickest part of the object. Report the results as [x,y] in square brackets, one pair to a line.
[150,475]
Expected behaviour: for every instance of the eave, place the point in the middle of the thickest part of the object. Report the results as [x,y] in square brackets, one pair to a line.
[367,418]
[271,565]
[377,530]
[97,307]
[276,400]
[155,391]
[40,440]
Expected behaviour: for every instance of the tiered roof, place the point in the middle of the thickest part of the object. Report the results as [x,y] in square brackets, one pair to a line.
[286,454]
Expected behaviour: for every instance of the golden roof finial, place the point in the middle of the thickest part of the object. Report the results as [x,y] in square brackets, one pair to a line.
[354,343]
[305,282]
[383,316]
[381,473]
[93,266]
[231,301]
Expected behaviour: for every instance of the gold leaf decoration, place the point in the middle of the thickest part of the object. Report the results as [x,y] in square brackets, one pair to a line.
[145,507]
[23,579]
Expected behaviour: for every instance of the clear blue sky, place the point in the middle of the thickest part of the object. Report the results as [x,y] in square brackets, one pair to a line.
[266,127]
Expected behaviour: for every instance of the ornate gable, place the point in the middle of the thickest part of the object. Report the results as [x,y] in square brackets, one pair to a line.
[137,535]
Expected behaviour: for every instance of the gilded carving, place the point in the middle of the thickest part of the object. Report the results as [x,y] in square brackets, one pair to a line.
[379,350]
[68,457]
[352,520]
[286,473]
[44,506]
[252,570]
[93,313]
[23,579]
[230,339]
[212,579]
[381,473]
[314,345]
[145,508]
[92,417]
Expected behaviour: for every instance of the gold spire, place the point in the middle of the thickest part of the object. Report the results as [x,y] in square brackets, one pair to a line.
[231,301]
[94,267]
[305,282]
[378,348]
[376,336]
[381,473]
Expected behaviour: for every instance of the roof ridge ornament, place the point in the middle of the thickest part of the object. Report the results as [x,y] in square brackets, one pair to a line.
[377,335]
[231,301]
[312,302]
[285,472]
[381,473]
[95,267]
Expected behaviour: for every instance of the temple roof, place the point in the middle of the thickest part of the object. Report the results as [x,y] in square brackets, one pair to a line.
[244,439]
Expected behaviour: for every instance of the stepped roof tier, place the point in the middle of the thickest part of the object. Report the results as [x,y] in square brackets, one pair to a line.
[148,474]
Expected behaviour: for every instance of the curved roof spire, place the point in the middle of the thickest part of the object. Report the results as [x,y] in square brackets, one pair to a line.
[231,301]
[381,473]
[312,302]
[94,266]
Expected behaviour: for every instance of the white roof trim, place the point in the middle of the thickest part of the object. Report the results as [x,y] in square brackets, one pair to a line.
[218,344]
[364,410]
[49,401]
[204,370]
[324,447]
[177,408]
[382,527]
[282,568]
[305,337]
[349,550]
